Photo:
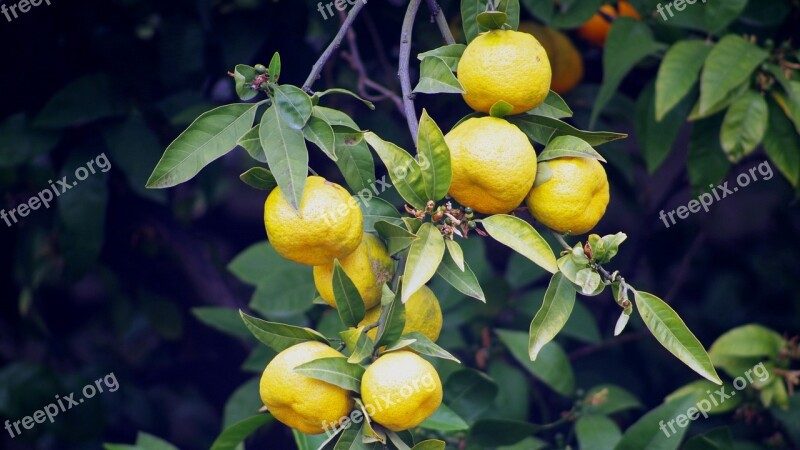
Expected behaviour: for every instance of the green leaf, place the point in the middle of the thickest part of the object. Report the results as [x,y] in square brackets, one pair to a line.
[469,393]
[559,299]
[456,253]
[719,15]
[393,319]
[657,137]
[226,320]
[782,144]
[357,166]
[209,137]
[336,371]
[243,76]
[397,237]
[678,73]
[596,432]
[259,178]
[552,365]
[554,107]
[321,134]
[444,419]
[362,349]
[470,9]
[435,77]
[744,125]
[84,100]
[730,63]
[311,441]
[424,346]
[278,336]
[582,325]
[274,69]
[707,163]
[287,155]
[568,146]
[672,333]
[376,210]
[404,170]
[423,259]
[450,54]
[646,433]
[718,439]
[334,117]
[349,303]
[609,399]
[491,20]
[430,444]
[293,105]
[368,103]
[542,129]
[252,143]
[492,432]
[146,441]
[236,434]
[521,237]
[604,249]
[791,106]
[501,109]
[628,43]
[434,158]
[19,143]
[464,280]
[702,390]
[243,403]
[744,347]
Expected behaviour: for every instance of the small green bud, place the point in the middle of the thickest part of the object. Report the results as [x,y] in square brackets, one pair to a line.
[468,210]
[263,86]
[260,69]
[472,225]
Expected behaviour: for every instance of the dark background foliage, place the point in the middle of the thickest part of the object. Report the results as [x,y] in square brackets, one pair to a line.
[106,279]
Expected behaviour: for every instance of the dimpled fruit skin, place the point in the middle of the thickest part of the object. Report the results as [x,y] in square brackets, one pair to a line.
[565,60]
[423,315]
[329,224]
[504,65]
[493,164]
[368,267]
[298,401]
[401,389]
[574,199]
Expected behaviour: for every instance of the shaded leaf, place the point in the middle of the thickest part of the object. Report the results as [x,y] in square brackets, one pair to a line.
[521,237]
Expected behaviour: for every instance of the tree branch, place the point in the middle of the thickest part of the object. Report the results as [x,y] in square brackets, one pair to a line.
[405,78]
[441,21]
[317,68]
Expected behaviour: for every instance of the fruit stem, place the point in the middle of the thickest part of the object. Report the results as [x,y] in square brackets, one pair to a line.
[441,21]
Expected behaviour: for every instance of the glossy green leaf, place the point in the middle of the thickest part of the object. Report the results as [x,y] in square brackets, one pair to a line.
[321,134]
[674,335]
[568,146]
[720,14]
[678,73]
[209,137]
[362,349]
[491,20]
[436,78]
[397,237]
[595,432]
[552,365]
[605,248]
[744,125]
[252,143]
[430,444]
[393,320]
[403,169]
[424,346]
[456,253]
[287,155]
[628,43]
[542,129]
[706,391]
[559,299]
[646,432]
[501,109]
[336,371]
[444,419]
[357,166]
[259,178]
[237,433]
[782,145]
[464,281]
[554,107]
[744,346]
[375,210]
[434,158]
[610,399]
[349,303]
[243,76]
[521,237]
[275,68]
[278,336]
[368,103]
[470,9]
[423,259]
[450,54]
[728,65]
[293,105]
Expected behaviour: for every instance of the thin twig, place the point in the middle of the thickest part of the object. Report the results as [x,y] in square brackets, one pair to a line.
[405,78]
[441,21]
[317,68]
[353,56]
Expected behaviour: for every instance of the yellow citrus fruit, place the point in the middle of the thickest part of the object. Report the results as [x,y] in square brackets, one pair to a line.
[328,224]
[565,60]
[423,315]
[504,65]
[570,194]
[493,164]
[368,267]
[303,403]
[596,29]
[400,390]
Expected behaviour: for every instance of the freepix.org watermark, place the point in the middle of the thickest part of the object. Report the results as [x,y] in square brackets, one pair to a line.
[425,383]
[340,5]
[679,5]
[61,186]
[61,404]
[716,398]
[705,200]
[23,6]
